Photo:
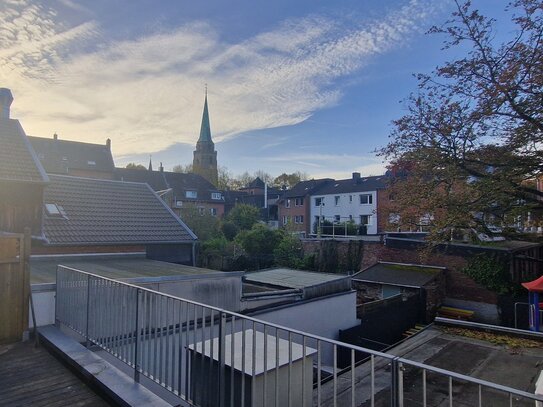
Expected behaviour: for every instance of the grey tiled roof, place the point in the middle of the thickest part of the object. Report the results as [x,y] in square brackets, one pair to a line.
[352,185]
[155,179]
[18,161]
[304,188]
[58,156]
[109,212]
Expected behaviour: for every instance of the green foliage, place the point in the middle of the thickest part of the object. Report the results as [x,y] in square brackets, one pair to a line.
[204,226]
[229,230]
[490,273]
[244,216]
[134,166]
[215,245]
[289,251]
[259,243]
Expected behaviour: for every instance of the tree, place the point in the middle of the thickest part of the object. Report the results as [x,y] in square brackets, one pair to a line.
[470,143]
[184,169]
[243,216]
[205,226]
[259,243]
[289,251]
[134,166]
[289,180]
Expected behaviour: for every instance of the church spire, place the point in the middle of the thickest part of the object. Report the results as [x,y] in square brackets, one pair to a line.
[150,163]
[205,129]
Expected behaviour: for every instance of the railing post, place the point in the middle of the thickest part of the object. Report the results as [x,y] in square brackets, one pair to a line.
[222,350]
[88,313]
[57,321]
[137,339]
[396,387]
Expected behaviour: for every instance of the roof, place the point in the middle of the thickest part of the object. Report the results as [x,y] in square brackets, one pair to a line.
[534,286]
[109,212]
[352,185]
[290,278]
[304,188]
[180,183]
[117,267]
[59,156]
[256,183]
[18,160]
[205,128]
[398,274]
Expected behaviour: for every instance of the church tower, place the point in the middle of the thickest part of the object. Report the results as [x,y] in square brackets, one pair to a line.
[204,162]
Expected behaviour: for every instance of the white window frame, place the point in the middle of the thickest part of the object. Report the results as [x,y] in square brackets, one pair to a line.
[191,194]
[369,199]
[216,196]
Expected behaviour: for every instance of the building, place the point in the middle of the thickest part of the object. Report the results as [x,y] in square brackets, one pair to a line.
[22,177]
[259,195]
[355,200]
[204,162]
[181,191]
[74,158]
[294,206]
[83,215]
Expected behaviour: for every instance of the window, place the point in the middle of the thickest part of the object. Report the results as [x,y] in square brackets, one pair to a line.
[64,158]
[394,218]
[179,204]
[336,200]
[299,219]
[201,210]
[54,210]
[337,218]
[213,211]
[216,195]
[299,202]
[287,203]
[191,194]
[350,218]
[91,163]
[350,199]
[365,220]
[366,199]
[286,220]
[319,201]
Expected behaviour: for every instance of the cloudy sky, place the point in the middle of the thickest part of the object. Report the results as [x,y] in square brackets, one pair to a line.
[294,85]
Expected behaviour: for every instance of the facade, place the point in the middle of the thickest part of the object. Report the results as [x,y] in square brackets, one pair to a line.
[258,195]
[294,206]
[204,162]
[74,158]
[22,177]
[354,200]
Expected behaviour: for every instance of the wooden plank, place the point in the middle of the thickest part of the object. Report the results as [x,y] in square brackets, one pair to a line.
[11,290]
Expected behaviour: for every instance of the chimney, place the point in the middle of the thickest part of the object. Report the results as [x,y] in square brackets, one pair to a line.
[161,168]
[356,175]
[5,102]
[55,136]
[108,144]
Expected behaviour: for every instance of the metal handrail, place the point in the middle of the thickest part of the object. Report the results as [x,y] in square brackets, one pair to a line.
[182,344]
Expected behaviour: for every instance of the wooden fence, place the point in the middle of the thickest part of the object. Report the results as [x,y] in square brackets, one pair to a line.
[14,286]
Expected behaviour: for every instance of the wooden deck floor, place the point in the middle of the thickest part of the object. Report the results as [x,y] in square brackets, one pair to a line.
[33,377]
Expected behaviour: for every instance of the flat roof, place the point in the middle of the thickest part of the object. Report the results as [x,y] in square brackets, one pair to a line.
[118,267]
[291,278]
[398,274]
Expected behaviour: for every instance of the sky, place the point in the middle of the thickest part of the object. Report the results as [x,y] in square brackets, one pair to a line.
[293,85]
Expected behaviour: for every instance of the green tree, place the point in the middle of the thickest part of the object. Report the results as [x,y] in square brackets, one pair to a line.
[471,139]
[289,251]
[229,230]
[259,243]
[204,225]
[244,216]
[184,169]
[134,166]
[289,180]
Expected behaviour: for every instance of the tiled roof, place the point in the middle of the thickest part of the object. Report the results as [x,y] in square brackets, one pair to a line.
[18,161]
[58,156]
[155,179]
[352,185]
[109,212]
[304,188]
[180,183]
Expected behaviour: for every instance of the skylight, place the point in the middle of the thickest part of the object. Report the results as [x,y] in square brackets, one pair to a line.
[91,162]
[54,210]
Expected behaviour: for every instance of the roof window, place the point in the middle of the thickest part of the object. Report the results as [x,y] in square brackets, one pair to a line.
[54,210]
[91,162]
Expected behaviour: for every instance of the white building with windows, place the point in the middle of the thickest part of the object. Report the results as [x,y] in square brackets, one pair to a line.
[349,200]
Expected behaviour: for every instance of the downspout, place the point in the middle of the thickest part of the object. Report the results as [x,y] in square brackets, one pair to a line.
[193,254]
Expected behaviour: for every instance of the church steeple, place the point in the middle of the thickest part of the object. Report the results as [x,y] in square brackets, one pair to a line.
[150,163]
[205,128]
[204,162]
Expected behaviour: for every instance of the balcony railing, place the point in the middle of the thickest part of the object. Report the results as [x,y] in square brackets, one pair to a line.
[207,356]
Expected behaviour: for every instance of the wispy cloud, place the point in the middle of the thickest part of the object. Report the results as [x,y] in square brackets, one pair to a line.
[146,93]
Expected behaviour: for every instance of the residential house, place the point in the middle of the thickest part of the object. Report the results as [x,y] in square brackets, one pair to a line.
[22,177]
[180,191]
[355,200]
[256,194]
[294,206]
[74,158]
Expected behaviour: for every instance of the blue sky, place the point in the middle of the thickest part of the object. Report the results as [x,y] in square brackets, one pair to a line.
[308,85]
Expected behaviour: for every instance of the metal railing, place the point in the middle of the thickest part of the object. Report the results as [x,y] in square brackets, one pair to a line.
[207,356]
